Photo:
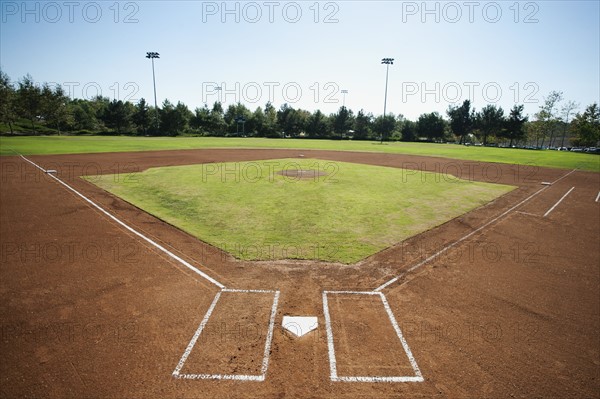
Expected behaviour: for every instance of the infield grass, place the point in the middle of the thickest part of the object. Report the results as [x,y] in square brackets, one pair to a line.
[94,144]
[254,213]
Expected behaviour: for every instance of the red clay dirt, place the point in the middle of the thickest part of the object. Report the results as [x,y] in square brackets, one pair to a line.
[91,310]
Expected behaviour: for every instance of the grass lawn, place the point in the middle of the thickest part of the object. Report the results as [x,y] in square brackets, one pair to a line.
[87,144]
[254,213]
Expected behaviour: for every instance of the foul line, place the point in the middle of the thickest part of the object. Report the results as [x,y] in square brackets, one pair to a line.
[418,377]
[238,377]
[453,244]
[131,229]
[558,202]
[597,197]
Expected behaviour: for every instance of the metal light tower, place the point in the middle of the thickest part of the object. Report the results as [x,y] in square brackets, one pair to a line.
[388,62]
[152,55]
[344,92]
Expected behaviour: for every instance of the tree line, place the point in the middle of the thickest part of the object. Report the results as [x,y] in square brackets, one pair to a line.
[42,109]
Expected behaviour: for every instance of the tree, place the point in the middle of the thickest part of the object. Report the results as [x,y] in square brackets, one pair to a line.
[343,121]
[141,116]
[62,114]
[81,119]
[201,119]
[409,131]
[586,126]
[515,123]
[362,125]
[384,126]
[182,117]
[547,115]
[567,111]
[397,132]
[29,100]
[284,119]
[174,119]
[318,125]
[8,111]
[490,121]
[302,117]
[270,127]
[54,106]
[87,114]
[291,121]
[117,116]
[46,103]
[217,125]
[256,124]
[462,120]
[432,126]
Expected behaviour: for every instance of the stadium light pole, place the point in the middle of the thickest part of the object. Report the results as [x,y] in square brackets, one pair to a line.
[344,92]
[152,55]
[388,62]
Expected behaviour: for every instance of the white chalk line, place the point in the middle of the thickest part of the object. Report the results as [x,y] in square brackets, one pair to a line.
[239,377]
[454,243]
[131,229]
[411,358]
[418,377]
[248,291]
[331,350]
[558,202]
[597,197]
[267,353]
[190,346]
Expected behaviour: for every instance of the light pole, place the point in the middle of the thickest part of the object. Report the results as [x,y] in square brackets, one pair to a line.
[344,92]
[152,55]
[388,62]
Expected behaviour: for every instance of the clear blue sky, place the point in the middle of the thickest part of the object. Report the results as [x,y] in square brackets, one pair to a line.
[503,52]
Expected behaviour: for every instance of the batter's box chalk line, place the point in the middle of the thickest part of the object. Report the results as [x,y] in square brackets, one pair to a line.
[239,377]
[417,377]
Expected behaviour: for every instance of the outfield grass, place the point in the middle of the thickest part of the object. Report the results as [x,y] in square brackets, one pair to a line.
[93,144]
[250,211]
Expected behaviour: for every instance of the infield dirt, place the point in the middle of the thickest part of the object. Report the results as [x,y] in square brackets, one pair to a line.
[90,310]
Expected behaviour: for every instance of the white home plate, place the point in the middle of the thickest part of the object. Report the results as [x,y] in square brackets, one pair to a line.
[299,325]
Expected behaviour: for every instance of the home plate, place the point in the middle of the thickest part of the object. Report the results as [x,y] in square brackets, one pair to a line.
[299,325]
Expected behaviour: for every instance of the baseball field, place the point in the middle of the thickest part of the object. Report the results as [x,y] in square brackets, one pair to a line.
[146,267]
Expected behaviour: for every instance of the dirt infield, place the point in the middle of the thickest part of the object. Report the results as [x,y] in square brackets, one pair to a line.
[500,302]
